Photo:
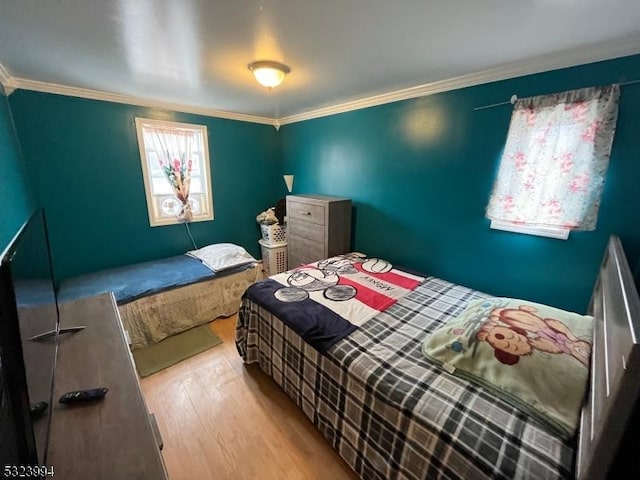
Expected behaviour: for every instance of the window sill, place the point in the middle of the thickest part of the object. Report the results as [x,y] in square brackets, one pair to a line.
[163,222]
[559,233]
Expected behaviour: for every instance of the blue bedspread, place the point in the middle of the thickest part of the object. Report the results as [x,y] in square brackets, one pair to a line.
[135,281]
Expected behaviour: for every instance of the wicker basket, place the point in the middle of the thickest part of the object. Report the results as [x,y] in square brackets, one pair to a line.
[274,258]
[273,234]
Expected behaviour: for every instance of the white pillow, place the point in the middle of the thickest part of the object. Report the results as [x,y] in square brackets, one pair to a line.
[221,256]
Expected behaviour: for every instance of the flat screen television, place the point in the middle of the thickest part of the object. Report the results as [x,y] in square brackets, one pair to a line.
[28,309]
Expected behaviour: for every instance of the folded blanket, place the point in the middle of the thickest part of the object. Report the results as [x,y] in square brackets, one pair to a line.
[533,356]
[325,301]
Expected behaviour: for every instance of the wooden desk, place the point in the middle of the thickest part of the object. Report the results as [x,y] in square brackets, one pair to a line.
[113,438]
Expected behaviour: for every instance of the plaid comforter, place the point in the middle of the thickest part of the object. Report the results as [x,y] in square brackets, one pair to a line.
[388,411]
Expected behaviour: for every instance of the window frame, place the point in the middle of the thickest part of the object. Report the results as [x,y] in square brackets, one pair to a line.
[551,232]
[154,219]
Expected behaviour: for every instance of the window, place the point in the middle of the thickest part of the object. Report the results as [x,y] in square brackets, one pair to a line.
[554,164]
[175,167]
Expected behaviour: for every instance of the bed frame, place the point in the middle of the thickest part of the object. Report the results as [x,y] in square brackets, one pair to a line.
[615,367]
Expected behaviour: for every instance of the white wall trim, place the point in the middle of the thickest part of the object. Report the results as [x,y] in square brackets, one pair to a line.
[6,81]
[629,45]
[37,86]
[567,58]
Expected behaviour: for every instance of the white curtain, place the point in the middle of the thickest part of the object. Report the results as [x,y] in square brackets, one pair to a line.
[555,160]
[174,147]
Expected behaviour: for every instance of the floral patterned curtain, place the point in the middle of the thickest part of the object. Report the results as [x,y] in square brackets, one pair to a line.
[555,160]
[174,148]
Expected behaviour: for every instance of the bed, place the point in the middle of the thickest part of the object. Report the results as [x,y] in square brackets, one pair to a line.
[164,297]
[391,413]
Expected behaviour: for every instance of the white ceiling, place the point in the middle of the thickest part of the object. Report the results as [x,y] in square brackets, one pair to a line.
[195,52]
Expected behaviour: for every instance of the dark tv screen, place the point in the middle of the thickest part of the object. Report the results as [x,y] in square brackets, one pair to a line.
[27,309]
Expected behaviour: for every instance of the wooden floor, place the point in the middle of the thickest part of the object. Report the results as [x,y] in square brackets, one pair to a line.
[221,419]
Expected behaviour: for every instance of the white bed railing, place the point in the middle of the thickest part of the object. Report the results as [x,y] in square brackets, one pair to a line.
[615,366]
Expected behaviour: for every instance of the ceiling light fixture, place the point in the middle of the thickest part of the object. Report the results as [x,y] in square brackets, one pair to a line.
[268,73]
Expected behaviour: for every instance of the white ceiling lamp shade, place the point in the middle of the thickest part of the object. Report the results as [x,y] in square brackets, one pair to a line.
[268,73]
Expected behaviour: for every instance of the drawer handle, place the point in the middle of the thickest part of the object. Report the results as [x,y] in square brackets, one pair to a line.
[305,213]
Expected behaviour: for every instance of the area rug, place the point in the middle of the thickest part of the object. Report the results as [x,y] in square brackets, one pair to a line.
[174,349]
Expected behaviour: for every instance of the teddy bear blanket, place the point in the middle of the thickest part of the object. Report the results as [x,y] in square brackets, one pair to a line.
[325,301]
[534,356]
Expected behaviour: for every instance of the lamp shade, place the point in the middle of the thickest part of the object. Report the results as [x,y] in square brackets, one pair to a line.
[269,74]
[288,180]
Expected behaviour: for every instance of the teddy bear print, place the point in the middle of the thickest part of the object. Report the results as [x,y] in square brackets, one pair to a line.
[516,332]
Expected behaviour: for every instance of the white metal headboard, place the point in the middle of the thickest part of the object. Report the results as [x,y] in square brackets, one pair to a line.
[615,365]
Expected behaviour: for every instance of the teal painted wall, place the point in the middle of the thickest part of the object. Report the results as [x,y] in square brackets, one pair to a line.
[420,173]
[84,165]
[16,200]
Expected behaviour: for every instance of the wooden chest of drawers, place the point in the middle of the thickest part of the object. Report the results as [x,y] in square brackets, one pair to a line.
[317,227]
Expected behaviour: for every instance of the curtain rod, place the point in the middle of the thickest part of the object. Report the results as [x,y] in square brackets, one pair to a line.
[513,98]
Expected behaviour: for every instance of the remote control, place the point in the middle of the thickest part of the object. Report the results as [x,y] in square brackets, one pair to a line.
[84,395]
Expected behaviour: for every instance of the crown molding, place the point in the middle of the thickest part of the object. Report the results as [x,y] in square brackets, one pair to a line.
[629,45]
[55,88]
[7,81]
[567,58]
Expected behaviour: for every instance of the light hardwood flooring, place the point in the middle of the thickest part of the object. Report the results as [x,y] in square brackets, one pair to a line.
[221,419]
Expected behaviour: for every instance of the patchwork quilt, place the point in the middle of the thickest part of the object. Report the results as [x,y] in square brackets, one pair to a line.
[325,301]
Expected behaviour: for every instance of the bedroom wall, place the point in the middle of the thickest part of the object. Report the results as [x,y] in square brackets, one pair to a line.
[420,173]
[83,160]
[16,200]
